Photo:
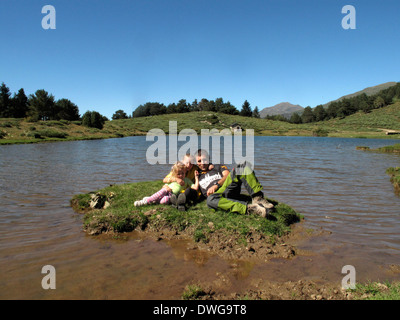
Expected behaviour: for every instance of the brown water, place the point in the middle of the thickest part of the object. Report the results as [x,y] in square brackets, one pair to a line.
[338,189]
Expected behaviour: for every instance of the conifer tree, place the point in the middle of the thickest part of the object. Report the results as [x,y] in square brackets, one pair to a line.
[246,111]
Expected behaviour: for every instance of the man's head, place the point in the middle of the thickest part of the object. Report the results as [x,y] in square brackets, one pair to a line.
[202,159]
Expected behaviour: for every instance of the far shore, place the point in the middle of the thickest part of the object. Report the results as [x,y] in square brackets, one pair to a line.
[15,138]
[374,125]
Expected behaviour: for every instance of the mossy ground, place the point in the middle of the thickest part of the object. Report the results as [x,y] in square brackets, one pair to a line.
[219,231]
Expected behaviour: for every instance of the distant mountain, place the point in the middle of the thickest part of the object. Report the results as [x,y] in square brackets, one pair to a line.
[368,91]
[285,109]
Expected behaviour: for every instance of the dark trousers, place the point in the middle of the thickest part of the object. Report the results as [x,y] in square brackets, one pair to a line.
[229,197]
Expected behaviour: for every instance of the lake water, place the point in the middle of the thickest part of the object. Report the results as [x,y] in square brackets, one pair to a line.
[341,191]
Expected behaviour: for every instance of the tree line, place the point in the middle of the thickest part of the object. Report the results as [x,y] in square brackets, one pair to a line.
[347,106]
[43,106]
[182,106]
[38,106]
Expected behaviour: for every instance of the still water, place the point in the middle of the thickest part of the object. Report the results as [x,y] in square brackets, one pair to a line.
[341,191]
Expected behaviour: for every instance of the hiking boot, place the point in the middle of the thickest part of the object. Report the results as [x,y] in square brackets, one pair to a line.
[181,202]
[173,201]
[140,203]
[261,200]
[257,209]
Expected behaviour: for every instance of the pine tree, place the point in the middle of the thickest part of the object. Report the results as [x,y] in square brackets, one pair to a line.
[42,106]
[5,101]
[246,110]
[320,113]
[295,118]
[308,115]
[19,105]
[256,113]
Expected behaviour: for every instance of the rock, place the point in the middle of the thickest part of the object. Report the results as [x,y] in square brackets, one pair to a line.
[382,286]
[98,201]
[150,212]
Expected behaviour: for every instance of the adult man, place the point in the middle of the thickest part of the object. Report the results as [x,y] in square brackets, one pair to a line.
[223,188]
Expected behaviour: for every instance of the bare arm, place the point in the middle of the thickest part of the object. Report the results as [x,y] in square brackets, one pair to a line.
[221,181]
[195,185]
[169,179]
[225,174]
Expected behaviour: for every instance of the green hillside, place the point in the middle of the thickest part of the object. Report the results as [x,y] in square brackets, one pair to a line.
[367,125]
[374,124]
[370,91]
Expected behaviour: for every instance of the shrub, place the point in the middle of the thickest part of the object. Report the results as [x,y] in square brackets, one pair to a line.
[93,119]
[319,132]
[35,135]
[6,124]
[49,133]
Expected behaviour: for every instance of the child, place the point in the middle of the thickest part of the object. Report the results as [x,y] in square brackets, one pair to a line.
[179,183]
[190,195]
[189,167]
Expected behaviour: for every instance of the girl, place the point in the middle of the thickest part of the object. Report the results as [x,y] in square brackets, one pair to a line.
[179,183]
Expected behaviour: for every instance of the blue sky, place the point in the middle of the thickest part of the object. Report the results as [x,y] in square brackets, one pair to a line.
[109,55]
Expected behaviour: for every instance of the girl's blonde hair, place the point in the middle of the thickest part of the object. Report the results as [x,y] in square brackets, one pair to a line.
[178,166]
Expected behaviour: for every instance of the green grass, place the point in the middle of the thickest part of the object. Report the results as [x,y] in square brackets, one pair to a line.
[19,131]
[390,149]
[386,149]
[367,125]
[377,291]
[193,292]
[359,125]
[199,222]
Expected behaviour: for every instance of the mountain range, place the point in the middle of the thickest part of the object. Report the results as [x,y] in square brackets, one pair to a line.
[286,109]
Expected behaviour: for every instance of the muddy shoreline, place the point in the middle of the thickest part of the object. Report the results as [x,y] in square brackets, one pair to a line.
[222,287]
[225,285]
[308,280]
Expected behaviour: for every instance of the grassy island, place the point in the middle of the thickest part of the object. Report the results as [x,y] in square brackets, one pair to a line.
[110,210]
[394,178]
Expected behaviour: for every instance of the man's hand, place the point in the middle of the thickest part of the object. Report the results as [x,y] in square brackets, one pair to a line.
[212,190]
